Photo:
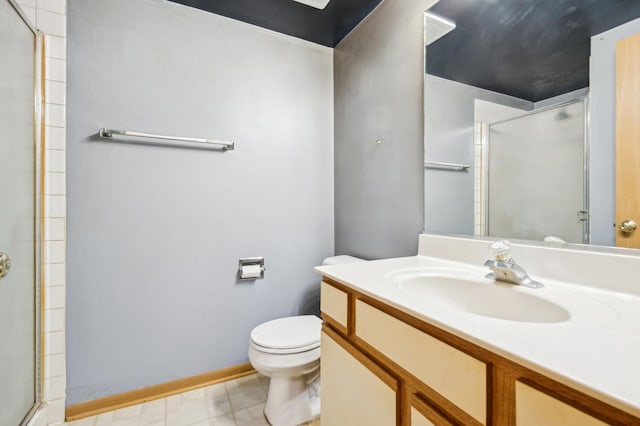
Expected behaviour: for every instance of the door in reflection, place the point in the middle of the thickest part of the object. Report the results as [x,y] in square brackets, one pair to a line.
[628,142]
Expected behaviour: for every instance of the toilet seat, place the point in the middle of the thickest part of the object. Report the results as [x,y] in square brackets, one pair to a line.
[285,351]
[288,335]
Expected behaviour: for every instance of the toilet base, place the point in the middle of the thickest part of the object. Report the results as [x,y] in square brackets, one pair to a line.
[293,400]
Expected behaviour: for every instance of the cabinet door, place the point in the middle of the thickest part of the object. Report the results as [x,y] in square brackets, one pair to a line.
[535,408]
[353,394]
[453,374]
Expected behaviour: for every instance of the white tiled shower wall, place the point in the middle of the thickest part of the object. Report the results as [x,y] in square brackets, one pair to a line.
[49,16]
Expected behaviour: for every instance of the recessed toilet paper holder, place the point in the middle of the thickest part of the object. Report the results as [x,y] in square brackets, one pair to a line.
[251,268]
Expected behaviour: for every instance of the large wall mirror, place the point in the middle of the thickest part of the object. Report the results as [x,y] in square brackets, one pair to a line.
[525,103]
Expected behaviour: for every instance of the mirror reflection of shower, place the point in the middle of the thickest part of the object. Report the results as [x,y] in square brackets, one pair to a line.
[531,182]
[562,115]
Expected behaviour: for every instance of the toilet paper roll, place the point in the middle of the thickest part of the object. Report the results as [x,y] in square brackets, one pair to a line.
[250,271]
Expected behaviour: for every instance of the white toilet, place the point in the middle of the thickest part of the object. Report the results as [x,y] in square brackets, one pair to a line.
[288,351]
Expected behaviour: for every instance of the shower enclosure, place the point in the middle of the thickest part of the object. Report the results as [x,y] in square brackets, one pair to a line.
[20,246]
[536,176]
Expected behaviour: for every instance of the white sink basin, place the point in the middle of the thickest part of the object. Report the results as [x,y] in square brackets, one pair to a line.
[470,292]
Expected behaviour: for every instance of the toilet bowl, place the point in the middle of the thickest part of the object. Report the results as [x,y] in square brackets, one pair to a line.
[288,351]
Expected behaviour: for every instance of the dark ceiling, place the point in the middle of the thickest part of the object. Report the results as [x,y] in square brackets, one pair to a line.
[530,49]
[327,26]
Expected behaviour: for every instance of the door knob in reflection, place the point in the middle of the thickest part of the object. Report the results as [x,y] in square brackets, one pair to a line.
[628,226]
[5,265]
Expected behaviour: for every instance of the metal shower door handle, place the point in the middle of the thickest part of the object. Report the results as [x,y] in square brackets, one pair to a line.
[5,265]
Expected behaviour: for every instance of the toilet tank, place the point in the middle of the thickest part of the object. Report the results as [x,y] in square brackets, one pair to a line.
[335,260]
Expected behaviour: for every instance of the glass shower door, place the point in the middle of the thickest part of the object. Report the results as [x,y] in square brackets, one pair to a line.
[537,175]
[19,246]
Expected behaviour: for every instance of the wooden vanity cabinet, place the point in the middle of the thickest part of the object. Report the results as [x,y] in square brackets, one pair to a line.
[358,391]
[418,419]
[537,408]
[423,414]
[434,364]
[381,366]
[334,303]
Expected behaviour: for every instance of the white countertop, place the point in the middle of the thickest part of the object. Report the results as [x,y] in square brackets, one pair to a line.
[596,351]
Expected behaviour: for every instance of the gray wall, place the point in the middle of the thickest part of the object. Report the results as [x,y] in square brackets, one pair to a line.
[449,137]
[603,131]
[155,233]
[378,96]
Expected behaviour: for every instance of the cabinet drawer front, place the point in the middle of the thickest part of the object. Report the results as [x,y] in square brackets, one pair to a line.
[351,393]
[334,303]
[455,375]
[536,408]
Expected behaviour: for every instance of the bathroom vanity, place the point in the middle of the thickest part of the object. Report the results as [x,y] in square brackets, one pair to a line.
[428,340]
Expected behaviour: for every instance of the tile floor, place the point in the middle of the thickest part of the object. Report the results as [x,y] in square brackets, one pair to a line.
[237,402]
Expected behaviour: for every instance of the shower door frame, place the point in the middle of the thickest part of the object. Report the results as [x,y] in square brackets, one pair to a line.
[484,192]
[38,213]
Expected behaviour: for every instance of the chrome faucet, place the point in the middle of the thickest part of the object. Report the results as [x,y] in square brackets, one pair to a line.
[505,268]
